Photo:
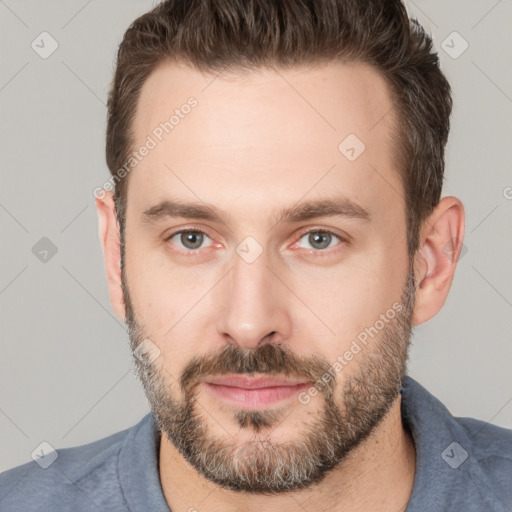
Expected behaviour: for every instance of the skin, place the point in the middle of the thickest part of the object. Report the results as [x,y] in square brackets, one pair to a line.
[252,146]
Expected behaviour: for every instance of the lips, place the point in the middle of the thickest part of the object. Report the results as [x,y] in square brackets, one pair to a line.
[253,392]
[252,382]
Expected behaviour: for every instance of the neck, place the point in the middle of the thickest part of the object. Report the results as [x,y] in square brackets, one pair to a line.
[378,475]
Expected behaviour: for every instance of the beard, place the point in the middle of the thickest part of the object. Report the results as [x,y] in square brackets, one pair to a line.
[261,465]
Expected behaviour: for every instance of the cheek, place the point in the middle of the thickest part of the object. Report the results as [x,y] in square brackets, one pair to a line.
[344,300]
[171,304]
[158,287]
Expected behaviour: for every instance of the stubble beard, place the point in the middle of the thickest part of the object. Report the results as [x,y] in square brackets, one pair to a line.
[261,465]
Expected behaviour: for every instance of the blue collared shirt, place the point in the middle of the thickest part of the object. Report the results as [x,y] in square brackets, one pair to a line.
[462,464]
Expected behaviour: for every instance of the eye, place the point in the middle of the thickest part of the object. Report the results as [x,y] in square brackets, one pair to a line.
[320,239]
[190,239]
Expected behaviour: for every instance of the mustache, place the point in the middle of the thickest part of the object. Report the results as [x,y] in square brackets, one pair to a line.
[268,359]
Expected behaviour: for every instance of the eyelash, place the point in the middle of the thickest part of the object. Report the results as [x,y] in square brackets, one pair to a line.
[320,252]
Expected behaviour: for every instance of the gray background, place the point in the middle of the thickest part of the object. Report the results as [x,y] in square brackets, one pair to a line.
[65,366]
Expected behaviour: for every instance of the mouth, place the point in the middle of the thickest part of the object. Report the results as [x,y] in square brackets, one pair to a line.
[253,392]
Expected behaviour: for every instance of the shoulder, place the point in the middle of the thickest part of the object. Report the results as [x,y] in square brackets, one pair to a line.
[488,440]
[465,462]
[64,476]
[490,447]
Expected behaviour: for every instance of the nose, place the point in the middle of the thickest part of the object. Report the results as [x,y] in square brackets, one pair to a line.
[254,305]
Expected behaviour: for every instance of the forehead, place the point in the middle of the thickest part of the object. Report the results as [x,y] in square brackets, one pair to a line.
[326,100]
[268,135]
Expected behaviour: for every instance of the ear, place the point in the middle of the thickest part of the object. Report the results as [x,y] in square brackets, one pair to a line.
[436,259]
[111,243]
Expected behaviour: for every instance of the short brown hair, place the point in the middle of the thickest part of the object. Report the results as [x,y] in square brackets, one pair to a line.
[214,35]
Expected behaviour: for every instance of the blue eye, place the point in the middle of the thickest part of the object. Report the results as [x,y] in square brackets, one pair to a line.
[189,239]
[320,239]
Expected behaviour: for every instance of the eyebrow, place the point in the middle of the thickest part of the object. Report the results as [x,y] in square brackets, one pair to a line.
[337,207]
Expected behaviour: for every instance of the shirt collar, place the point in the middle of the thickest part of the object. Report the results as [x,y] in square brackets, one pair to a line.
[442,449]
[138,468]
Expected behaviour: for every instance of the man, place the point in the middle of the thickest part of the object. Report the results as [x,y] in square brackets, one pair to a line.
[275,233]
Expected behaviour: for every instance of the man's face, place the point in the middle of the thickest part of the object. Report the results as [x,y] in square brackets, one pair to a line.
[312,298]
